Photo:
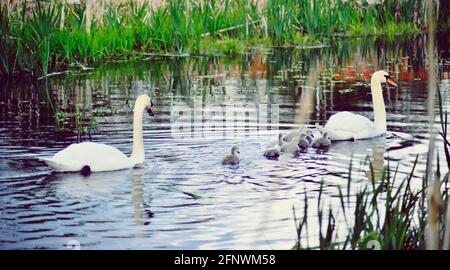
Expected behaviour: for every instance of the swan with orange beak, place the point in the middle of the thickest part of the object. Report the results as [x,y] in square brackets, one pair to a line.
[350,126]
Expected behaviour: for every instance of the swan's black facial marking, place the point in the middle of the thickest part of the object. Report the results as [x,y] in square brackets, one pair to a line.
[389,80]
[150,110]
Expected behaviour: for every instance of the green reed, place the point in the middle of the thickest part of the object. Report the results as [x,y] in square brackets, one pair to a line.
[26,39]
[389,210]
[35,40]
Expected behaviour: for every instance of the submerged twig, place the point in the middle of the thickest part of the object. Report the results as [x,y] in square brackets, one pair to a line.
[54,74]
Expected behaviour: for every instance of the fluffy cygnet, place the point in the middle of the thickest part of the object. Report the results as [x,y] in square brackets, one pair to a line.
[309,136]
[233,158]
[276,142]
[274,151]
[321,142]
[291,135]
[303,142]
[292,146]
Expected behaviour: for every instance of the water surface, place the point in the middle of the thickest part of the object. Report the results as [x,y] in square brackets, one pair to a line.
[183,198]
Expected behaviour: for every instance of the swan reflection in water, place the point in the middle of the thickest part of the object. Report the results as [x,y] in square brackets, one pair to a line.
[376,171]
[142,213]
[371,150]
[106,186]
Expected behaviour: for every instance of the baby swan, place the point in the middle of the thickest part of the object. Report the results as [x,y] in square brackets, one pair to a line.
[274,151]
[321,142]
[303,142]
[233,158]
[291,135]
[292,146]
[309,135]
[294,134]
[280,141]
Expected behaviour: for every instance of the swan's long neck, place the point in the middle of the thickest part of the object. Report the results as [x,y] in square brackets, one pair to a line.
[138,154]
[379,110]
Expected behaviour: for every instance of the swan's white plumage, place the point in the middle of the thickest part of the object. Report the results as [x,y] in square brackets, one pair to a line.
[99,157]
[349,126]
[102,157]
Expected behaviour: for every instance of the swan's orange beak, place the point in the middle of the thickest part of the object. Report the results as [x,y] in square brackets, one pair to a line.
[391,82]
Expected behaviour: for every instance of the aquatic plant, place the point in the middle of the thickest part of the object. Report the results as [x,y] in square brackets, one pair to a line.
[8,56]
[42,37]
[389,212]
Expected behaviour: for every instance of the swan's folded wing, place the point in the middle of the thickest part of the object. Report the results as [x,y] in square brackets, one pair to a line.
[99,157]
[90,152]
[349,122]
[347,125]
[62,165]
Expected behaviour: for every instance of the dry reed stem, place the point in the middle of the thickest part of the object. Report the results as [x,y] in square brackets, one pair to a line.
[88,15]
[446,244]
[305,103]
[434,195]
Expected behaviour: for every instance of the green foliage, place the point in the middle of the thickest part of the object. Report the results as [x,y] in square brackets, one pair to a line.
[392,214]
[32,40]
[393,224]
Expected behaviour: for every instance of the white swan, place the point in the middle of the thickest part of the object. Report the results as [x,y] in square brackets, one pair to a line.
[349,126]
[94,157]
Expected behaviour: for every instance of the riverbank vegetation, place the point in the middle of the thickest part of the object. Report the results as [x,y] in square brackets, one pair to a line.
[389,213]
[40,37]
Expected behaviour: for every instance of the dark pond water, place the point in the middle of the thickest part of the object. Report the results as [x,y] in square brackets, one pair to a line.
[184,198]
